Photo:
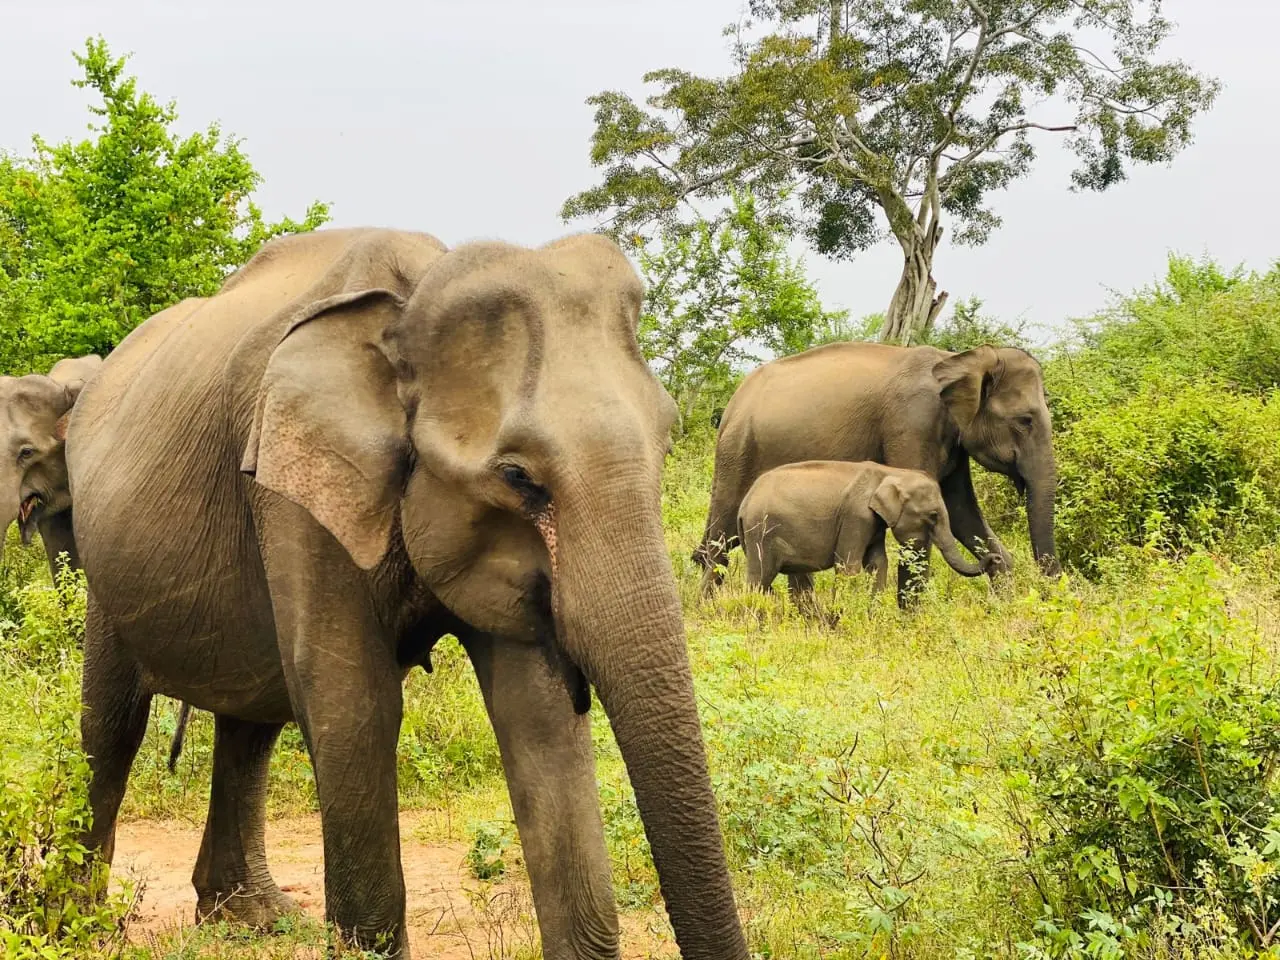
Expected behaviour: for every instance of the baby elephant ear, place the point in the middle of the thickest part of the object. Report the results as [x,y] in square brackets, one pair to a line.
[888,500]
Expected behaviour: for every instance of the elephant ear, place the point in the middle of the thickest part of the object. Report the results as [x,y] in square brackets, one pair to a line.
[72,374]
[328,429]
[888,500]
[965,381]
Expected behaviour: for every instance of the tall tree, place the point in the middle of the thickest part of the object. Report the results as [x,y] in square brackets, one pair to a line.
[890,116]
[720,296]
[97,235]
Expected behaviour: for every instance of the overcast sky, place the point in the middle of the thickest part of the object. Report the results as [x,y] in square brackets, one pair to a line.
[467,119]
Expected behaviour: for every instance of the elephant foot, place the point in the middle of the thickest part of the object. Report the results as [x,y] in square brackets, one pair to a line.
[258,908]
[710,584]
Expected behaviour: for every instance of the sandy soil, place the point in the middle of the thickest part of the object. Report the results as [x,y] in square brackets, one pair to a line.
[451,916]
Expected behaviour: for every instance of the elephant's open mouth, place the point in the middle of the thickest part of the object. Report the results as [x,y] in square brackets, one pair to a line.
[29,512]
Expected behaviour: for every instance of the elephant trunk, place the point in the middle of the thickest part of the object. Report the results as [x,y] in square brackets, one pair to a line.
[1042,484]
[620,621]
[950,550]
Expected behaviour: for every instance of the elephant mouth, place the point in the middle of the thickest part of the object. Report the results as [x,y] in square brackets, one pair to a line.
[29,512]
[548,632]
[1019,484]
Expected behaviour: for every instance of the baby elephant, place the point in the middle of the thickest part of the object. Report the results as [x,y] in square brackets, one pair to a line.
[818,514]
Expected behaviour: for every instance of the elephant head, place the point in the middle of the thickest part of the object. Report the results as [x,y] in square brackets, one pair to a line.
[499,429]
[997,401]
[32,440]
[910,504]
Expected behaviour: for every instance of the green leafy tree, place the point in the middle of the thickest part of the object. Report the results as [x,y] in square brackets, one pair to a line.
[896,112]
[96,236]
[721,296]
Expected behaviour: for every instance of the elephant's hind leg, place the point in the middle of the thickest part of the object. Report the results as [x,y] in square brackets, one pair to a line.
[113,721]
[231,877]
[800,588]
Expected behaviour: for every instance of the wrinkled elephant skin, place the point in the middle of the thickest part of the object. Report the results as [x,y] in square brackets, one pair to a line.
[286,493]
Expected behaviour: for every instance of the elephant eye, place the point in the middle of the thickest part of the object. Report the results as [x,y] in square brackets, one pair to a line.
[26,453]
[535,497]
[517,477]
[933,516]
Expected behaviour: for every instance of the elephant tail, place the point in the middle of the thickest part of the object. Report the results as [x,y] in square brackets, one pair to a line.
[175,747]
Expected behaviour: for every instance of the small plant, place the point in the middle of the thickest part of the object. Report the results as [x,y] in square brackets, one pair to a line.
[490,850]
[52,901]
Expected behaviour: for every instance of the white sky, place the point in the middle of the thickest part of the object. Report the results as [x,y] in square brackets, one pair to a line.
[466,119]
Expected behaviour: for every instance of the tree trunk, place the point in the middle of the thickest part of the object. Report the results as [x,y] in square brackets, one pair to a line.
[914,306]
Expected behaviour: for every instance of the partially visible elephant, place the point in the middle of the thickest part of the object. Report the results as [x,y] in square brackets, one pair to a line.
[805,517]
[914,407]
[36,409]
[287,493]
[33,440]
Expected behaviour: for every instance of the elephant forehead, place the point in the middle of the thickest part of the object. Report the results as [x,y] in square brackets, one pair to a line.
[23,397]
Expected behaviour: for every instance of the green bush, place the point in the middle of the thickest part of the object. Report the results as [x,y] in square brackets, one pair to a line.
[1198,324]
[1151,773]
[491,846]
[47,907]
[1177,467]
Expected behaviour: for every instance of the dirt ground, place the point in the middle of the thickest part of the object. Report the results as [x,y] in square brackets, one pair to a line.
[451,916]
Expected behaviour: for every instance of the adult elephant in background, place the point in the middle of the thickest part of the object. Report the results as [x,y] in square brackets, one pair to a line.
[36,410]
[289,492]
[914,407]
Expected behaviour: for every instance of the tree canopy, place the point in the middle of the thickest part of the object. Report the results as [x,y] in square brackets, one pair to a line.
[889,117]
[720,296]
[97,235]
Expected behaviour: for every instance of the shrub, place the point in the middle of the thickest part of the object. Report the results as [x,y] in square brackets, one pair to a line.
[490,850]
[969,327]
[1151,770]
[46,907]
[1177,467]
[1199,323]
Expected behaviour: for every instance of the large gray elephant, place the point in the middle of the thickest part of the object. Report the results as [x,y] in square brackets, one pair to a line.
[36,410]
[805,517]
[286,494]
[914,407]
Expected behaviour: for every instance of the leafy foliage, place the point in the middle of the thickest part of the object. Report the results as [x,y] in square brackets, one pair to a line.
[96,236]
[1151,770]
[1175,467]
[968,327]
[489,851]
[51,902]
[1165,419]
[720,296]
[888,112]
[1199,324]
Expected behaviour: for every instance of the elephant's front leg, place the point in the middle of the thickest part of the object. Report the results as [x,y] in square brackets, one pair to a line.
[550,768]
[345,688]
[968,525]
[877,561]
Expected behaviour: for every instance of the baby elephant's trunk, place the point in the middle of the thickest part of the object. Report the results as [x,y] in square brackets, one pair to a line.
[950,550]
